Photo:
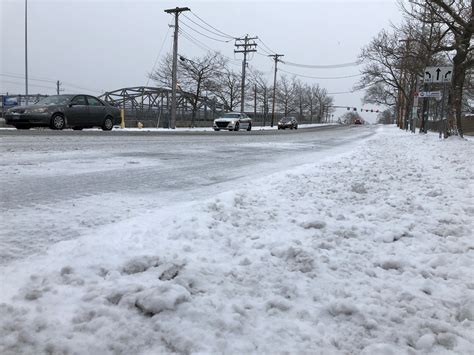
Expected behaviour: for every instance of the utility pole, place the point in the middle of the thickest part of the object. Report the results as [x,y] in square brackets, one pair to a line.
[249,45]
[58,87]
[26,51]
[275,58]
[176,11]
[255,101]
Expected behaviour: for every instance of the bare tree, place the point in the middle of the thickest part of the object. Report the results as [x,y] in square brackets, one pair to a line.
[325,102]
[162,75]
[286,95]
[312,94]
[386,117]
[261,83]
[301,101]
[455,21]
[227,89]
[199,75]
[195,76]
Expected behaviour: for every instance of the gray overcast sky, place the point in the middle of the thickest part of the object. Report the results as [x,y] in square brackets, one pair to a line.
[105,45]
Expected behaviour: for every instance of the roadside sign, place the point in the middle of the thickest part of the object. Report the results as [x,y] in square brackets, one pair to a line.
[423,94]
[438,74]
[9,101]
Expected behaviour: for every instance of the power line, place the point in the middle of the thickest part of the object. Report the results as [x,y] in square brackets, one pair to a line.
[204,47]
[39,86]
[263,43]
[233,37]
[71,85]
[202,34]
[19,76]
[322,77]
[355,90]
[80,87]
[329,66]
[158,55]
[206,29]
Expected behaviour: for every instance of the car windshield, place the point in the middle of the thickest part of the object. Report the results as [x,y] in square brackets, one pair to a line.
[286,119]
[231,115]
[54,100]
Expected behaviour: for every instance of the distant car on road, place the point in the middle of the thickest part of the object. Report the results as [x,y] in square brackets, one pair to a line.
[63,111]
[357,121]
[288,122]
[233,121]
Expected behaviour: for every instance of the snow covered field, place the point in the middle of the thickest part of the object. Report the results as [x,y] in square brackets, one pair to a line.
[365,252]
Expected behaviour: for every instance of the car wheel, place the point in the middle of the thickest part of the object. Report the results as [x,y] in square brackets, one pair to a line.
[237,127]
[296,127]
[108,124]
[58,122]
[249,128]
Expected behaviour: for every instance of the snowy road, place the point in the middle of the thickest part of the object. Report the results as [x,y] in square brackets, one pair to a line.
[351,253]
[68,180]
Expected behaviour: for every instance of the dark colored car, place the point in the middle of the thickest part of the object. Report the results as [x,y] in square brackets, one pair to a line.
[63,111]
[357,121]
[288,122]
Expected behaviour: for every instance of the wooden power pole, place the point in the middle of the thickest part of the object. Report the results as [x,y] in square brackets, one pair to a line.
[275,58]
[176,11]
[248,44]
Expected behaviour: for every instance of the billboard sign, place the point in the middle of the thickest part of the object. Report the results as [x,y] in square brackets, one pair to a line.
[10,101]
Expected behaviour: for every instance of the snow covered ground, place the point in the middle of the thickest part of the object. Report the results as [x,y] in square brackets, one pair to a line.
[365,252]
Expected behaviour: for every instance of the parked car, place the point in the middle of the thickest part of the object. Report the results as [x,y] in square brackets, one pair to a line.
[357,121]
[63,111]
[288,122]
[233,121]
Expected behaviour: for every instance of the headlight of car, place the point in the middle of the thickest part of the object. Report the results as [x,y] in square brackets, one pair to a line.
[232,122]
[38,110]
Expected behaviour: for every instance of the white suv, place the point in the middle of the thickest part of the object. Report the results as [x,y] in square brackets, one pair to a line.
[233,121]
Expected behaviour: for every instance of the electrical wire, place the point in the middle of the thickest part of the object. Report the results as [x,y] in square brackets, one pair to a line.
[65,83]
[158,55]
[195,41]
[71,85]
[202,34]
[18,76]
[355,90]
[322,77]
[34,85]
[206,29]
[203,46]
[264,45]
[329,66]
[233,37]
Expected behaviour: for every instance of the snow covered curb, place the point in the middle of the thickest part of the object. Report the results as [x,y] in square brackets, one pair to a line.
[370,252]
